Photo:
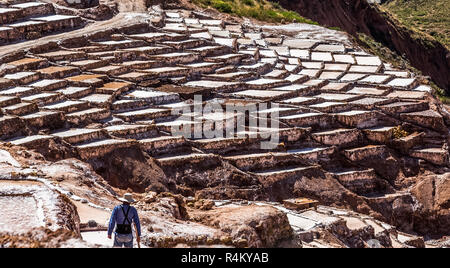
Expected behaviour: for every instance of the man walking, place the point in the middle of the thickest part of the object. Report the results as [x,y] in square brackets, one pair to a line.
[123,216]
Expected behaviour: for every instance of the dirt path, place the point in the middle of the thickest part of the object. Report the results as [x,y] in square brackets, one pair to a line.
[101,216]
[98,238]
[88,213]
[101,238]
[132,5]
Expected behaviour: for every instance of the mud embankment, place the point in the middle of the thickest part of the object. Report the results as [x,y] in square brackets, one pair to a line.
[357,16]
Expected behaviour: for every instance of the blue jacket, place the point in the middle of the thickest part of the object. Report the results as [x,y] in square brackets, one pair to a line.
[119,217]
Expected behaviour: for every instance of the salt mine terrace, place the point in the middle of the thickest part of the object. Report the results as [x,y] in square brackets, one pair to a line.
[32,20]
[121,92]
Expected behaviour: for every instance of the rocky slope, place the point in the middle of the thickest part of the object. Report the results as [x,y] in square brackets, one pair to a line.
[175,221]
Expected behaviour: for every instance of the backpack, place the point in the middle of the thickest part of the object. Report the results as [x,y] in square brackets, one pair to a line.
[124,228]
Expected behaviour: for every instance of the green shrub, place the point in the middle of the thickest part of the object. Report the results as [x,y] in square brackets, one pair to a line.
[222,6]
[262,10]
[248,2]
[399,133]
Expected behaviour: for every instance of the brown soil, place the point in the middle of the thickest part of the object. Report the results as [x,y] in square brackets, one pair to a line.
[132,169]
[253,226]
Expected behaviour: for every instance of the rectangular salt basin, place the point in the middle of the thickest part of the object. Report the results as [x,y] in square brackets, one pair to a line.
[26,23]
[55,18]
[260,93]
[19,214]
[16,91]
[291,88]
[299,100]
[6,10]
[74,132]
[19,75]
[29,4]
[307,150]
[142,94]
[210,84]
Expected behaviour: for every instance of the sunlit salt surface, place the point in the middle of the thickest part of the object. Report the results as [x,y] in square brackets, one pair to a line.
[18,214]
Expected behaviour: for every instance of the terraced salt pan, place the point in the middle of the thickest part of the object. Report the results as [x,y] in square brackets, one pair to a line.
[276,74]
[55,18]
[184,157]
[367,91]
[18,213]
[350,77]
[312,215]
[268,53]
[177,123]
[302,115]
[299,223]
[101,113]
[326,104]
[260,93]
[45,83]
[74,91]
[314,73]
[367,102]
[6,29]
[277,110]
[296,78]
[119,42]
[400,74]
[267,82]
[402,82]
[219,116]
[330,48]
[210,84]
[344,58]
[327,75]
[300,100]
[177,105]
[7,10]
[337,97]
[321,56]
[30,139]
[313,65]
[27,204]
[19,75]
[145,94]
[122,128]
[407,94]
[28,4]
[307,150]
[103,143]
[333,211]
[39,114]
[64,105]
[144,112]
[281,171]
[233,76]
[376,79]
[298,43]
[74,132]
[424,88]
[368,61]
[5,157]
[204,35]
[352,113]
[18,91]
[381,129]
[26,23]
